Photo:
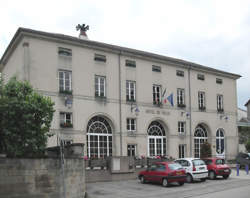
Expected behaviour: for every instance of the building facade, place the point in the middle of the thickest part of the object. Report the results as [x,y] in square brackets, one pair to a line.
[120,101]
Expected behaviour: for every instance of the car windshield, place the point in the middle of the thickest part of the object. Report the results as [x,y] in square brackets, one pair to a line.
[198,162]
[220,161]
[174,166]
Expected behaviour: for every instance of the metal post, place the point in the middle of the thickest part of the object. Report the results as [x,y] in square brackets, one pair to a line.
[238,169]
[247,169]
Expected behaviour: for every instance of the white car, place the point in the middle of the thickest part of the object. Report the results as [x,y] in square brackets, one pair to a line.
[195,168]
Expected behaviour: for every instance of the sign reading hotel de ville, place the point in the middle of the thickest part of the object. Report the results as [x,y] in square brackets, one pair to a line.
[157,112]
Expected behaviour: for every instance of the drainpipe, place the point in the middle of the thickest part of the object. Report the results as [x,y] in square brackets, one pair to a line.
[120,102]
[190,113]
[26,69]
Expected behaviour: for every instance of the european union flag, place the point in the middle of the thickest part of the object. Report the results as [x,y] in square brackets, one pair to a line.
[171,99]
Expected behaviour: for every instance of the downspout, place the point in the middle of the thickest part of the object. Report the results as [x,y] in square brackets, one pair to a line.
[26,69]
[120,102]
[190,114]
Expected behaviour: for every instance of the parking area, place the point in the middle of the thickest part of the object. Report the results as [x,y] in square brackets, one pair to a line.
[133,188]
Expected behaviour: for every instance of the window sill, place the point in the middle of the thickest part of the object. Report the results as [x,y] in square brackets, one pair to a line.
[66,125]
[66,92]
[181,105]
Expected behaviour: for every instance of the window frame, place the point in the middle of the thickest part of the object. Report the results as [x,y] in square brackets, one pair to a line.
[156,68]
[180,73]
[129,88]
[65,52]
[131,127]
[99,85]
[202,100]
[62,89]
[130,150]
[201,77]
[155,93]
[100,58]
[182,150]
[181,129]
[64,122]
[130,63]
[220,103]
[181,97]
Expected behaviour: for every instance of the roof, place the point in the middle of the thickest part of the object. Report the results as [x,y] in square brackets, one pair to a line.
[21,32]
[247,102]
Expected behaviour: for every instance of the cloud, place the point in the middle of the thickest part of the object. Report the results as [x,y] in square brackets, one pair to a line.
[213,33]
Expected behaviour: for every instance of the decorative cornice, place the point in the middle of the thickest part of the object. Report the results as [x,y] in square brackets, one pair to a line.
[21,32]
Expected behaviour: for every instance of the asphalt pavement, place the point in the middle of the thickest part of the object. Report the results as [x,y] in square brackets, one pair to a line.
[234,185]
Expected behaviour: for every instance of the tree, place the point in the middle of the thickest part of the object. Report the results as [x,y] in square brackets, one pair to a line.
[25,119]
[247,145]
[206,150]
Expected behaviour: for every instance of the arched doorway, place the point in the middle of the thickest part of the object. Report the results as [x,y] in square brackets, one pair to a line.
[99,137]
[156,139]
[200,136]
[220,143]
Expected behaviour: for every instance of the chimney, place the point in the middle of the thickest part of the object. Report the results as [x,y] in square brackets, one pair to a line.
[83,29]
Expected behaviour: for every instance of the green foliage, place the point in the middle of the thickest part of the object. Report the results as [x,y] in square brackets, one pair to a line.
[25,119]
[244,134]
[206,150]
[247,145]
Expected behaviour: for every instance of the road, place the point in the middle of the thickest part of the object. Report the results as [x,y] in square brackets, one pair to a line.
[230,188]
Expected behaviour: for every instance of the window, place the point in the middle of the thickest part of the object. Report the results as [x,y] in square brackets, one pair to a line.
[180,73]
[99,57]
[220,103]
[65,81]
[130,90]
[131,149]
[181,127]
[156,68]
[220,142]
[181,98]
[100,83]
[201,100]
[182,150]
[130,63]
[131,124]
[99,138]
[66,120]
[156,94]
[64,52]
[219,81]
[200,77]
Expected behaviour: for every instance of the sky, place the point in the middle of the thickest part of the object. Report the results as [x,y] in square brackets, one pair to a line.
[214,33]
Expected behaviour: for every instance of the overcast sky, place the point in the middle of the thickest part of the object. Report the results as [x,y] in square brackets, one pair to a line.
[214,33]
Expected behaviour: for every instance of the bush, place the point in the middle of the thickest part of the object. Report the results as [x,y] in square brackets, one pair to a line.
[25,119]
[206,150]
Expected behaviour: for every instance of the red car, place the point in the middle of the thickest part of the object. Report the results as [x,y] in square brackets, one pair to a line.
[217,167]
[164,173]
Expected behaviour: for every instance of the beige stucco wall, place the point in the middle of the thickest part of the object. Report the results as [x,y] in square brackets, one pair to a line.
[44,68]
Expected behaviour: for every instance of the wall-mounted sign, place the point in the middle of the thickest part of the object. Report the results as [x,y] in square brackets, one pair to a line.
[157,112]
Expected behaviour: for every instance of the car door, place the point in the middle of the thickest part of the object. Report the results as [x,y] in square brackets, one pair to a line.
[150,176]
[160,172]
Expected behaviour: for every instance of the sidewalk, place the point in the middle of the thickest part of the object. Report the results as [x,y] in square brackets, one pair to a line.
[242,174]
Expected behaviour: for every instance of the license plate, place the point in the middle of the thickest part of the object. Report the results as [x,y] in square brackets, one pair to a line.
[201,168]
[226,170]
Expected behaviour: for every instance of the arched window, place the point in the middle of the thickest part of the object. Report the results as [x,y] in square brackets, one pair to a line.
[220,143]
[99,138]
[156,139]
[200,136]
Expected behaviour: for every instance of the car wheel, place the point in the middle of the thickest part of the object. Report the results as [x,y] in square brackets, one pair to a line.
[165,182]
[203,179]
[181,183]
[189,178]
[225,176]
[211,175]
[142,180]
